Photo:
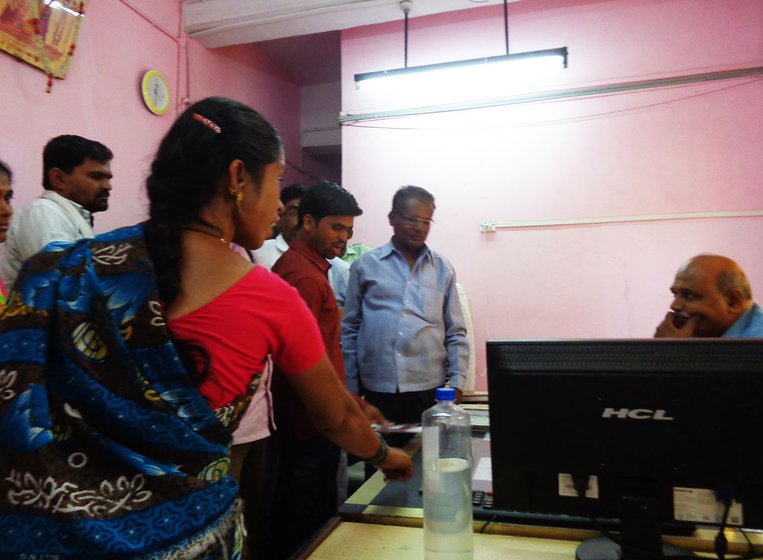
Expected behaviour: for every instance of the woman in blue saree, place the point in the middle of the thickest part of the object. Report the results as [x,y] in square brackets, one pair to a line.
[114,435]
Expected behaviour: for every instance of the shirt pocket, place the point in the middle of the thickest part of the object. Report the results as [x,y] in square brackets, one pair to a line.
[430,304]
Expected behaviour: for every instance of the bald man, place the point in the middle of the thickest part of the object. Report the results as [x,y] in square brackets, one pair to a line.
[711,298]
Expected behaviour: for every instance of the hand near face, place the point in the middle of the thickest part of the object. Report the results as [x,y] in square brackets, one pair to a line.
[674,326]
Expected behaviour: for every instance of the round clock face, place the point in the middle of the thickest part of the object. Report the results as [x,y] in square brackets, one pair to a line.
[155,92]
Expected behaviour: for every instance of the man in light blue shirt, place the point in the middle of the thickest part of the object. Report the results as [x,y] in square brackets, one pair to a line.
[339,276]
[403,332]
[711,298]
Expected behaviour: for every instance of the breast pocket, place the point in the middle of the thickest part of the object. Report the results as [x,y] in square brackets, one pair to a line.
[430,303]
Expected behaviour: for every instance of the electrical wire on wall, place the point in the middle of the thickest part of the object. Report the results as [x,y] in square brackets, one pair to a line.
[184,100]
[305,173]
[181,101]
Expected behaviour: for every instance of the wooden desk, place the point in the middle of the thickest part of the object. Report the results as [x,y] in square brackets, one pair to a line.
[361,541]
[399,503]
[381,532]
[364,541]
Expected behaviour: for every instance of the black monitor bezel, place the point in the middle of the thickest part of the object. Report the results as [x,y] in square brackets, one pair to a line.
[680,364]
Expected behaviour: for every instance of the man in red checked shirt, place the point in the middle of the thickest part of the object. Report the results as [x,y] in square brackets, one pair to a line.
[306,493]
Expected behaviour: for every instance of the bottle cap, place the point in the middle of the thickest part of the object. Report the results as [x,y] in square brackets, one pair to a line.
[445,394]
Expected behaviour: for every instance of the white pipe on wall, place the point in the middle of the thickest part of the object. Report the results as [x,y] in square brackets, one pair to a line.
[487,226]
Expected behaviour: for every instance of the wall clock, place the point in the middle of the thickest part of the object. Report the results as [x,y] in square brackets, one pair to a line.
[155,92]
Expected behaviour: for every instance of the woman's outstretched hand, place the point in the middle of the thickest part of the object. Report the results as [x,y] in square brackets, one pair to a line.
[397,466]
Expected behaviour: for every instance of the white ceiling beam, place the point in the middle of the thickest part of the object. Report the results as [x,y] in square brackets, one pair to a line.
[219,23]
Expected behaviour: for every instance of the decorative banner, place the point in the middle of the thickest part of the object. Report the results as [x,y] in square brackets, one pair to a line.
[41,32]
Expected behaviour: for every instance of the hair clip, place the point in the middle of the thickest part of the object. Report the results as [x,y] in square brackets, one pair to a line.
[206,122]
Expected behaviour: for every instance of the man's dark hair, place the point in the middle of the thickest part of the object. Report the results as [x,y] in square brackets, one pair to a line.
[4,168]
[295,190]
[69,151]
[410,191]
[327,199]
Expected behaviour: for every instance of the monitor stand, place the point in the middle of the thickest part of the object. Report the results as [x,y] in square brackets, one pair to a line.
[639,534]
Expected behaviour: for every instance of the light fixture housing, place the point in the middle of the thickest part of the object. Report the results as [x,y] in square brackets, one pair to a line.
[444,72]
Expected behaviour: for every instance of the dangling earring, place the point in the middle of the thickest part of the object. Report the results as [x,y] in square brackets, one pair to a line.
[239,196]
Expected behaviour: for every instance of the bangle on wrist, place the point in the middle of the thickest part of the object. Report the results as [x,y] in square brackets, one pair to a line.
[381,454]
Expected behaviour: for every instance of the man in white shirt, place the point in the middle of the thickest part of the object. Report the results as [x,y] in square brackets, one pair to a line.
[267,255]
[77,182]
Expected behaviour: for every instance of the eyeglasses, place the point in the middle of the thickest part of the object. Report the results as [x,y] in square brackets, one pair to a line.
[414,221]
[291,210]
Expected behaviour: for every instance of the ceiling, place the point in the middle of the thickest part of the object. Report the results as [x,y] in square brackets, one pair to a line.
[308,59]
[301,36]
[218,23]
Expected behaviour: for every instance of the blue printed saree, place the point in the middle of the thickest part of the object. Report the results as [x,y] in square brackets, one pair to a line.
[107,450]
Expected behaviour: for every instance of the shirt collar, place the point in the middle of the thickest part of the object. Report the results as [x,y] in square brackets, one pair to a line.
[53,195]
[389,249]
[281,244]
[301,247]
[741,324]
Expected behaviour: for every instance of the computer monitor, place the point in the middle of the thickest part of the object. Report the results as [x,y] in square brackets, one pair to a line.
[657,429]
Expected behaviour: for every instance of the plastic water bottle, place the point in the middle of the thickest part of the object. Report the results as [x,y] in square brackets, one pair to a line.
[447,468]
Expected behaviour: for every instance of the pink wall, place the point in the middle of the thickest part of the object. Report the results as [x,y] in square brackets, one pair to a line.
[99,99]
[681,149]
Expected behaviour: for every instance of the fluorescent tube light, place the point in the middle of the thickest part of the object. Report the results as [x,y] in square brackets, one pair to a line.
[476,73]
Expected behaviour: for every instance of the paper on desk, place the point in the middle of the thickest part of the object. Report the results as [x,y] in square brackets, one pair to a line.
[479,420]
[484,470]
[397,428]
